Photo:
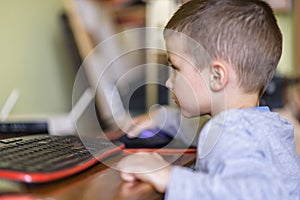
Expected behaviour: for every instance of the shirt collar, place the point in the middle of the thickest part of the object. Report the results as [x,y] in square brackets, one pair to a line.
[262,108]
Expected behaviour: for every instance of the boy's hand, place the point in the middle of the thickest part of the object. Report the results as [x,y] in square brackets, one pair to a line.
[147,167]
[146,121]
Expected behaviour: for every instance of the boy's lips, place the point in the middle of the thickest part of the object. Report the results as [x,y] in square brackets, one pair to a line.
[175,98]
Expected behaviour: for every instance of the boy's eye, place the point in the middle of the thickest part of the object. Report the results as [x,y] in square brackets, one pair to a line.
[172,66]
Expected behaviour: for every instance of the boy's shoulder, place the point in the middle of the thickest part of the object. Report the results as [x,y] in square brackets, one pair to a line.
[249,117]
[237,128]
[259,124]
[240,131]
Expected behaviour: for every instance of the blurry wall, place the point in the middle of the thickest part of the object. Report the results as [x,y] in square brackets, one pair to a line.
[286,64]
[34,57]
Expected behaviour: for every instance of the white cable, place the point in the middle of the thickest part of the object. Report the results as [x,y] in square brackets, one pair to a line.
[9,104]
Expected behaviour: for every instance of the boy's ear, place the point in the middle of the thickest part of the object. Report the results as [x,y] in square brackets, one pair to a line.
[218,76]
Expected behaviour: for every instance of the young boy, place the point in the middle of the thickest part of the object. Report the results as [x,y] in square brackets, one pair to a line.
[244,151]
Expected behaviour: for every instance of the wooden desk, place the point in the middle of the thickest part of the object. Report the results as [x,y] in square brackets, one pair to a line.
[99,182]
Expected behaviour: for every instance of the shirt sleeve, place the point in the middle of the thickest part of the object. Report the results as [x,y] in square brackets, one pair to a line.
[188,184]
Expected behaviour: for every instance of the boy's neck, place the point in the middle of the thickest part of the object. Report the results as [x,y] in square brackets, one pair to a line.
[237,101]
[244,101]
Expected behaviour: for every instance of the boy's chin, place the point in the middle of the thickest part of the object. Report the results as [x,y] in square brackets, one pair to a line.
[189,114]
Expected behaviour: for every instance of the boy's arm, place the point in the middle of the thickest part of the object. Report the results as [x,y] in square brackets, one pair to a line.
[163,117]
[187,184]
[169,120]
[184,183]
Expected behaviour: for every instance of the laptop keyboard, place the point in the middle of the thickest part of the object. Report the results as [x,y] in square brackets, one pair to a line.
[44,158]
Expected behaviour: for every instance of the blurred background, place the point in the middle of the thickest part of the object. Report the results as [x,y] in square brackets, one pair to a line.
[43,43]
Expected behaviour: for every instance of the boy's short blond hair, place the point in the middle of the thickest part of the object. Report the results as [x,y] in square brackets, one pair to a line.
[242,33]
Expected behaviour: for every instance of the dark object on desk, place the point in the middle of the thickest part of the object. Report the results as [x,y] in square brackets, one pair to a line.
[154,138]
[24,127]
[45,158]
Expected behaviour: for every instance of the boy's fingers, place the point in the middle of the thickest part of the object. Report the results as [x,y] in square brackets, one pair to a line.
[127,177]
[128,126]
[136,129]
[133,128]
[134,132]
